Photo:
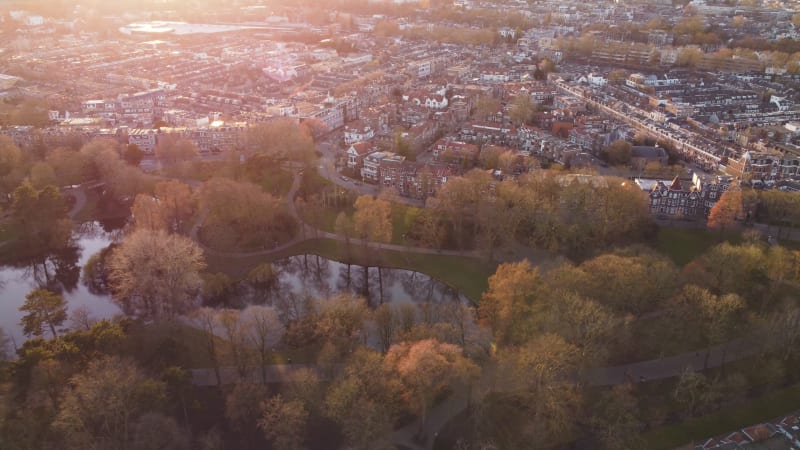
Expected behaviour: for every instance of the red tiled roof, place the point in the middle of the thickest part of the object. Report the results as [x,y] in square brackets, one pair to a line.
[737,437]
[362,148]
[760,432]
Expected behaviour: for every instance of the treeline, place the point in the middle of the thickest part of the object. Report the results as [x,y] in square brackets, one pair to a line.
[776,208]
[568,214]
[452,35]
[253,218]
[770,54]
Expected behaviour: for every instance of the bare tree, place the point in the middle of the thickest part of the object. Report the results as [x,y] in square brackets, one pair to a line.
[233,328]
[4,341]
[205,319]
[155,275]
[264,330]
[386,324]
[81,318]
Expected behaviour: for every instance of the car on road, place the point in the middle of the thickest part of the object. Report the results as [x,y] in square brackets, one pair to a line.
[344,178]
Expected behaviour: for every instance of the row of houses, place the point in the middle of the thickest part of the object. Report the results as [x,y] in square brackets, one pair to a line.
[217,136]
[766,166]
[780,434]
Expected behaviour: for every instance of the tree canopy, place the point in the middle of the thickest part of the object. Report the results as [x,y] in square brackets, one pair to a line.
[44,310]
[155,275]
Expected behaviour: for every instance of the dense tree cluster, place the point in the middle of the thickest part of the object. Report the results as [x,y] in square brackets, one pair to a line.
[776,208]
[567,214]
[41,217]
[281,141]
[169,208]
[364,367]
[241,215]
[102,162]
[605,309]
[618,153]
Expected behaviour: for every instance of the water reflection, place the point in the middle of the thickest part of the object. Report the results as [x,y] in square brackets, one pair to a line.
[59,271]
[290,282]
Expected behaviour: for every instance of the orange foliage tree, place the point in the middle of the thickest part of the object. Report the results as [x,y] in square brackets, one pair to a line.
[727,209]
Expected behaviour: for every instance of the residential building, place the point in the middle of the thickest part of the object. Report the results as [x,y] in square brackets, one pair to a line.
[357,131]
[765,166]
[683,199]
[356,154]
[371,167]
[455,152]
[145,139]
[642,155]
[392,170]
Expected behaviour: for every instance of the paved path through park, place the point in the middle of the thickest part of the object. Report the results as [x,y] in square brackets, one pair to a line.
[456,403]
[654,369]
[310,233]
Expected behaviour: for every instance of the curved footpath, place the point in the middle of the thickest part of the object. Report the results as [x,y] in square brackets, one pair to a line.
[80,201]
[439,416]
[456,403]
[655,369]
[311,231]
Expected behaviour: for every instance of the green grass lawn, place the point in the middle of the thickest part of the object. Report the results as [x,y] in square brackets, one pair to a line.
[325,218]
[468,275]
[684,244]
[312,183]
[731,419]
[8,232]
[402,221]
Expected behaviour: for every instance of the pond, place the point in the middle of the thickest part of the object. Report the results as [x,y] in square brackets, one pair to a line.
[58,271]
[317,277]
[296,279]
[292,280]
